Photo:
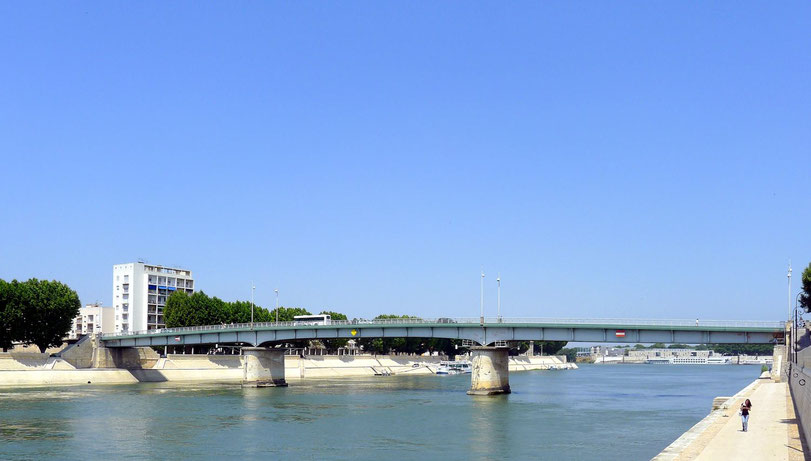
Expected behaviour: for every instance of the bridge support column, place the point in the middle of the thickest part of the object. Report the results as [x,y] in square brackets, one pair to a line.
[263,367]
[491,374]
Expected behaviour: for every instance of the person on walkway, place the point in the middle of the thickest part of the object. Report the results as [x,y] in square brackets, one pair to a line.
[746,407]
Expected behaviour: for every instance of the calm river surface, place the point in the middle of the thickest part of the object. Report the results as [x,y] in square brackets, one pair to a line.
[594,413]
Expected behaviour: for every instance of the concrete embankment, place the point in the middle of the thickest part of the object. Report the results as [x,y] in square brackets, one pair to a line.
[39,369]
[773,433]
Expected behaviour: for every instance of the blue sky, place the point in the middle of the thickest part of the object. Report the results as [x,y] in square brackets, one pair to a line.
[635,159]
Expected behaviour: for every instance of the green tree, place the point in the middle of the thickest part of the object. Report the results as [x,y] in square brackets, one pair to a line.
[545,347]
[178,311]
[335,315]
[48,308]
[286,314]
[240,312]
[334,344]
[10,314]
[552,347]
[387,345]
[183,310]
[570,353]
[805,297]
[742,349]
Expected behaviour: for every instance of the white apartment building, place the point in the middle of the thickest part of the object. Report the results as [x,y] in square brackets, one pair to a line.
[140,291]
[92,319]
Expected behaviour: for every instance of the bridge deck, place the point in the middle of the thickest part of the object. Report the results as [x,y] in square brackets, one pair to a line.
[578,330]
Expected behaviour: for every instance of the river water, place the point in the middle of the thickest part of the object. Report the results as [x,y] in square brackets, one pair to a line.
[599,412]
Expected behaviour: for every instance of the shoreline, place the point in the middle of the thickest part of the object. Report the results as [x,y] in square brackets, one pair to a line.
[37,370]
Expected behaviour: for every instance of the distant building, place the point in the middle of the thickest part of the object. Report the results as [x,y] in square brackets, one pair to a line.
[607,351]
[140,291]
[583,351]
[92,319]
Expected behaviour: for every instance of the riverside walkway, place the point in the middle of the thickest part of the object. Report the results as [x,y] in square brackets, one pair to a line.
[773,432]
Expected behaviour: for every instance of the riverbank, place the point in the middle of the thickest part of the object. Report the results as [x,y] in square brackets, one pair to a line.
[22,370]
[773,430]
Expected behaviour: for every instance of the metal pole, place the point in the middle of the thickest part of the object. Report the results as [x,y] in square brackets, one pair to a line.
[498,281]
[789,290]
[253,289]
[277,304]
[481,317]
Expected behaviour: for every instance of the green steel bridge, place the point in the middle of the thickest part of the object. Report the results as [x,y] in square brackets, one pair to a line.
[484,332]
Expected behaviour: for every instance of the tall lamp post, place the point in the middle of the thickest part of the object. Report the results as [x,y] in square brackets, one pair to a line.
[277,304]
[789,290]
[498,303]
[253,289]
[481,315]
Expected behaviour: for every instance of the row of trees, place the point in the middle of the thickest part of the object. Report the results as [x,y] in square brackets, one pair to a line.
[184,310]
[36,312]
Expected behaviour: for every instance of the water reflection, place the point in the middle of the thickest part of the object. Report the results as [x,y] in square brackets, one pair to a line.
[487,426]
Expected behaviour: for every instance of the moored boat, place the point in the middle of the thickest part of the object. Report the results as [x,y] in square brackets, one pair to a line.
[454,368]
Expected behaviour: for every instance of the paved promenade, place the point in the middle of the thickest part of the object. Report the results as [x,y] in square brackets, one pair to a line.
[773,433]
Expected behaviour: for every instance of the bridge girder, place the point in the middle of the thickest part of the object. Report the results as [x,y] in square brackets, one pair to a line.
[488,334]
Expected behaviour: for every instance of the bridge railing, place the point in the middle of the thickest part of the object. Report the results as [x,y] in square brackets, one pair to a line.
[489,321]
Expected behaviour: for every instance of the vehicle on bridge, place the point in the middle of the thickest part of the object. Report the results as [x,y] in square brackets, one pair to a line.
[320,319]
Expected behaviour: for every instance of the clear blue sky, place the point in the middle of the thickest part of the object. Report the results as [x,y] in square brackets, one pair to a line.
[609,159]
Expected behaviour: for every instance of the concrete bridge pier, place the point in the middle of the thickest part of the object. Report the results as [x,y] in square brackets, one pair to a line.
[263,367]
[490,375]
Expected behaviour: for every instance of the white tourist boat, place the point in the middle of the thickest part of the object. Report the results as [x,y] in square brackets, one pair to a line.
[454,368]
[690,361]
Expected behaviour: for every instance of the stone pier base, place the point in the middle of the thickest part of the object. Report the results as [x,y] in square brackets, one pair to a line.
[263,367]
[491,375]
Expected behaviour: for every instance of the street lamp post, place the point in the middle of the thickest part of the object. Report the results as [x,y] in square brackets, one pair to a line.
[481,316]
[277,304]
[253,289]
[498,303]
[789,290]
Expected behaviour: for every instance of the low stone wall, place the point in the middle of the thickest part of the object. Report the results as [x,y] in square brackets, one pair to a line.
[779,364]
[16,378]
[184,361]
[31,361]
[546,362]
[142,366]
[125,357]
[79,354]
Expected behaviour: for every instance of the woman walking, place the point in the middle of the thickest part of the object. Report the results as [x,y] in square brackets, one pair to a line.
[746,407]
